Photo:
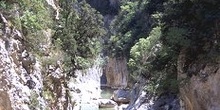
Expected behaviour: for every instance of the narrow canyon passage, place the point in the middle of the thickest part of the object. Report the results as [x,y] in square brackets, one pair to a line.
[109,55]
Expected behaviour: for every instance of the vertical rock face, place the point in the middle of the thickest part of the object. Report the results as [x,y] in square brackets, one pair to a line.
[85,89]
[203,94]
[5,103]
[25,85]
[21,81]
[116,72]
[202,91]
[143,100]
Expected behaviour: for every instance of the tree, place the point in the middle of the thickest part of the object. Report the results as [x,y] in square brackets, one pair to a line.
[79,31]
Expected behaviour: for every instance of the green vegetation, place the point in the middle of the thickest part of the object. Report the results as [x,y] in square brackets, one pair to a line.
[149,33]
[144,51]
[155,31]
[76,34]
[31,17]
[34,101]
[126,28]
[79,32]
[75,38]
[35,15]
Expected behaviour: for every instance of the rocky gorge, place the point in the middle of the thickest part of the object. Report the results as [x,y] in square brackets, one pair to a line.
[22,81]
[45,78]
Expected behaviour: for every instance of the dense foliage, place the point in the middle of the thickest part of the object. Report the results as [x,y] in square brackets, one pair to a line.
[79,32]
[30,17]
[68,42]
[149,33]
[154,32]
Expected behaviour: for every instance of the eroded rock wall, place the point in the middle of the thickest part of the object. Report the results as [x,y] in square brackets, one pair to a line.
[85,88]
[201,91]
[116,72]
[28,82]
[144,100]
[20,73]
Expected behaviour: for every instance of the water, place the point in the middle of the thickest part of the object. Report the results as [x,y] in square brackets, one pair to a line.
[106,93]
[88,107]
[106,108]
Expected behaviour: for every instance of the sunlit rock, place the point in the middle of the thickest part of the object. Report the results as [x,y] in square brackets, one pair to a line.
[116,72]
[5,103]
[85,88]
[15,78]
[121,96]
[107,103]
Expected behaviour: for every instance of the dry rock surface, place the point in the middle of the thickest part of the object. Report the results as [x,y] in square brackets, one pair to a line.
[121,96]
[23,81]
[116,72]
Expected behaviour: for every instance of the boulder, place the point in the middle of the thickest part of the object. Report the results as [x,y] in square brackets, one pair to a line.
[121,96]
[122,106]
[107,103]
[167,101]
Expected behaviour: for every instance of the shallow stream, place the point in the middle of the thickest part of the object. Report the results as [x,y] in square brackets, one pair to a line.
[106,94]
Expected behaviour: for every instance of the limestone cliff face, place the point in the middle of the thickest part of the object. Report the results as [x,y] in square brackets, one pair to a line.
[201,91]
[20,73]
[28,82]
[116,72]
[85,88]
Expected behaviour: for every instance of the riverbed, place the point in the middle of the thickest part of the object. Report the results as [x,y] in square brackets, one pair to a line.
[106,94]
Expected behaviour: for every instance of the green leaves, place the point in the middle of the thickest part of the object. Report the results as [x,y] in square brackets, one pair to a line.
[178,36]
[3,5]
[144,52]
[129,8]
[145,45]
[32,18]
[131,24]
[81,28]
[35,16]
[155,31]
[29,20]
